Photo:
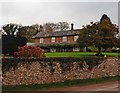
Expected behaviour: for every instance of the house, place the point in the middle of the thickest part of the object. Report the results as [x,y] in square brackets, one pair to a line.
[58,40]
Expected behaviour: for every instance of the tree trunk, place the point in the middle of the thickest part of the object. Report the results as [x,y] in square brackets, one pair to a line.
[86,49]
[105,49]
[99,49]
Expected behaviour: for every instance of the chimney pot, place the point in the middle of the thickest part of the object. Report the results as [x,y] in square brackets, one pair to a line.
[72,26]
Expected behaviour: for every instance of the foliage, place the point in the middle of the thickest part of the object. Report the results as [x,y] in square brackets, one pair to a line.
[60,45]
[101,34]
[49,27]
[7,63]
[62,26]
[29,51]
[106,33]
[11,28]
[86,37]
[27,31]
[10,43]
[19,30]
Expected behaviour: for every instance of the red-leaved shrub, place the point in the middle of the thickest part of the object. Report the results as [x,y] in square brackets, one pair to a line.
[29,51]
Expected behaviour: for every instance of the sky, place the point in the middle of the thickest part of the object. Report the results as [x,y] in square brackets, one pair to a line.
[36,12]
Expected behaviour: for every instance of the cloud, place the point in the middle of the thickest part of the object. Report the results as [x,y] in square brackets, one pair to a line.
[80,13]
[60,0]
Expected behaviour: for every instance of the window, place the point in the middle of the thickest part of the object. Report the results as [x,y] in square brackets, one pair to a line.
[41,40]
[53,39]
[64,39]
[75,38]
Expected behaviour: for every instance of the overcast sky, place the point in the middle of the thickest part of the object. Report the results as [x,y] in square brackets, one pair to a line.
[79,13]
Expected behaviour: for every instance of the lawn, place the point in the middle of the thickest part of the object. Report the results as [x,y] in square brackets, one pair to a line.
[78,54]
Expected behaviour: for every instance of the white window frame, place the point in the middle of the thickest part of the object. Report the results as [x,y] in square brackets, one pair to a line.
[53,39]
[41,40]
[75,38]
[64,39]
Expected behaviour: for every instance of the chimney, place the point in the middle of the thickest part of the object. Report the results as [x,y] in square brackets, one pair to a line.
[72,26]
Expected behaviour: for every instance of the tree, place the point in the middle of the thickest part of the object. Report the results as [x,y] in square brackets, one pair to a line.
[100,34]
[62,26]
[49,27]
[28,32]
[38,28]
[86,37]
[11,41]
[105,37]
[11,28]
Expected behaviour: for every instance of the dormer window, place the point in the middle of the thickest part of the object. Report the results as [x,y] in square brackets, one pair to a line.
[64,38]
[53,39]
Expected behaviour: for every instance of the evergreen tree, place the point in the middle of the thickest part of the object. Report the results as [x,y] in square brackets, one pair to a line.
[100,34]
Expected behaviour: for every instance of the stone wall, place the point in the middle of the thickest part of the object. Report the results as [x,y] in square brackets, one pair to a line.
[41,73]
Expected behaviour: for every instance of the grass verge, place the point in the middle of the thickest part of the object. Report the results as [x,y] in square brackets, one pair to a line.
[78,54]
[79,82]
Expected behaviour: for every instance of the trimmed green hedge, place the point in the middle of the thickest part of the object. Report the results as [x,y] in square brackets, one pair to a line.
[59,46]
[7,63]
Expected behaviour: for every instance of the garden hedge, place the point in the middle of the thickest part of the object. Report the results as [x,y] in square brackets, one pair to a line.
[7,63]
[10,43]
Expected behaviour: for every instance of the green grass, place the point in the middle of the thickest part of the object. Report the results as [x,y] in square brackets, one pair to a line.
[80,82]
[78,54]
[112,54]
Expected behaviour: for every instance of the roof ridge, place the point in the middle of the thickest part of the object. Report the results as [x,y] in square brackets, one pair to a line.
[58,33]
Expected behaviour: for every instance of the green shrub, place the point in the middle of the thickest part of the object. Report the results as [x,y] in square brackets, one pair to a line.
[10,43]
